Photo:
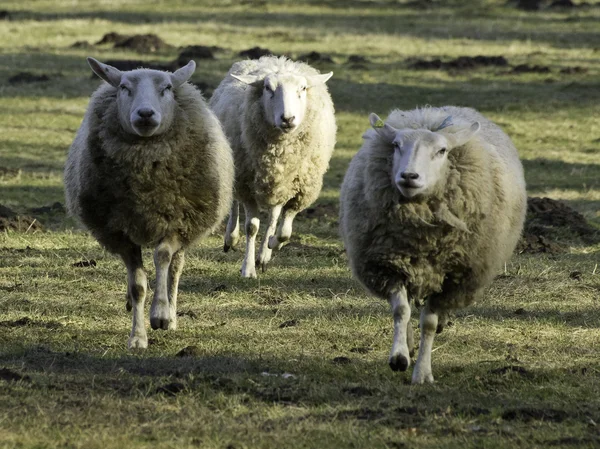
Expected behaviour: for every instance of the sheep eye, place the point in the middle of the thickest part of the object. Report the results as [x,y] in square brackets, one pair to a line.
[167,88]
[267,88]
[397,146]
[442,151]
[303,89]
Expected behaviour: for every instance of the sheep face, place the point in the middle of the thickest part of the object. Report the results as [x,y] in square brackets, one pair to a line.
[284,97]
[420,156]
[145,98]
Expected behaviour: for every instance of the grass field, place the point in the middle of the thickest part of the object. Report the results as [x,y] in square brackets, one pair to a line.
[521,368]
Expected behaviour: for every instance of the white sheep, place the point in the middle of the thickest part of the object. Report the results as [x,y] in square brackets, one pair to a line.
[279,118]
[150,165]
[432,206]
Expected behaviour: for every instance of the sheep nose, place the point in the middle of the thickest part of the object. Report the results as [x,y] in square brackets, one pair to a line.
[145,112]
[287,120]
[409,175]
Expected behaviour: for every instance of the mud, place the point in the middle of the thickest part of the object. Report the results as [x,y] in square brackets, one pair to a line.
[10,220]
[315,57]
[196,52]
[460,63]
[255,52]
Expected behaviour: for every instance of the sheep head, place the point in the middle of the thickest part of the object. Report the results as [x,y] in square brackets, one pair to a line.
[284,96]
[420,155]
[145,98]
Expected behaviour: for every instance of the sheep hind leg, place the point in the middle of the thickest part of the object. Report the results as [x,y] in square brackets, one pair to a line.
[284,231]
[160,313]
[175,270]
[429,322]
[137,285]
[264,256]
[232,232]
[400,354]
[252,224]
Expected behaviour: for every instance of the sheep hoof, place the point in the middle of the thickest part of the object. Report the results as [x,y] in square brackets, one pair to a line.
[159,323]
[137,342]
[422,378]
[128,305]
[399,363]
[226,247]
[439,328]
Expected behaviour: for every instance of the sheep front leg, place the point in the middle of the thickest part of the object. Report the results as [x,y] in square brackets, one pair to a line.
[160,314]
[284,231]
[175,270]
[400,354]
[137,284]
[232,233]
[252,225]
[422,372]
[265,251]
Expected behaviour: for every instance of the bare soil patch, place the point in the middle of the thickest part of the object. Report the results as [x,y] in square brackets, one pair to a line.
[28,77]
[255,52]
[10,220]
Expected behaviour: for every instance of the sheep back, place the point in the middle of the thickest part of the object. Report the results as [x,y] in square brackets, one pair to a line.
[124,186]
[448,246]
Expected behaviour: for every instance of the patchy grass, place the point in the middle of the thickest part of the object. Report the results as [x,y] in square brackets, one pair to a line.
[519,368]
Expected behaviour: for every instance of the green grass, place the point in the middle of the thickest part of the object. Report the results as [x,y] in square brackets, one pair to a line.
[65,328]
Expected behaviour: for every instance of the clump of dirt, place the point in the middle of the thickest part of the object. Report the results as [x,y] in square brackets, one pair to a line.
[529,5]
[81,44]
[28,77]
[189,351]
[10,220]
[195,52]
[12,376]
[143,43]
[126,65]
[357,59]
[4,15]
[573,70]
[289,323]
[526,68]
[54,208]
[9,173]
[255,52]
[460,63]
[171,389]
[112,38]
[527,414]
[314,57]
[549,221]
[84,263]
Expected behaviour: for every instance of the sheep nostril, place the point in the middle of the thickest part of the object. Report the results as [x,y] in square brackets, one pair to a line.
[409,175]
[145,113]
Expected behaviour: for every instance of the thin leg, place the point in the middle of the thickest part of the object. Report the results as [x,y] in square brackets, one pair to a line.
[265,252]
[175,270]
[232,233]
[429,321]
[252,225]
[136,294]
[284,231]
[160,315]
[410,339]
[399,356]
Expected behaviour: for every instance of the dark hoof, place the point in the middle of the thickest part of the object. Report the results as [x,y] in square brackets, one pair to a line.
[439,329]
[157,323]
[128,305]
[398,363]
[226,247]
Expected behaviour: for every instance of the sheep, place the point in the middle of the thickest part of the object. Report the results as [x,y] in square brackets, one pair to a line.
[149,165]
[432,206]
[279,118]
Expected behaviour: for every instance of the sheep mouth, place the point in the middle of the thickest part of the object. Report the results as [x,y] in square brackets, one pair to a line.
[145,128]
[286,128]
[410,189]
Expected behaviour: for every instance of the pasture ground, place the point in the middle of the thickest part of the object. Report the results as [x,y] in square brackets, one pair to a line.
[521,368]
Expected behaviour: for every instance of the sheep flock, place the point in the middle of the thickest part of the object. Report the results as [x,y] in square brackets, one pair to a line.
[431,206]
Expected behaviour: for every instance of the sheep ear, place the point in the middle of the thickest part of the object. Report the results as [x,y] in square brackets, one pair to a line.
[315,80]
[183,74]
[250,80]
[462,136]
[386,131]
[107,72]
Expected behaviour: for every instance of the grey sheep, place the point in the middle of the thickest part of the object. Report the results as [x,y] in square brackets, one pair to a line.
[150,165]
[279,118]
[432,206]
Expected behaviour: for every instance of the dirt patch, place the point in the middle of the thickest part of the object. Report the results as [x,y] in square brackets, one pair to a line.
[358,391]
[189,351]
[341,361]
[534,244]
[460,63]
[112,38]
[28,77]
[196,52]
[511,369]
[529,5]
[54,208]
[361,350]
[81,44]
[126,65]
[171,389]
[289,323]
[357,59]
[526,68]
[255,52]
[26,321]
[527,414]
[84,263]
[573,70]
[9,173]
[12,376]
[4,15]
[315,57]
[10,220]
